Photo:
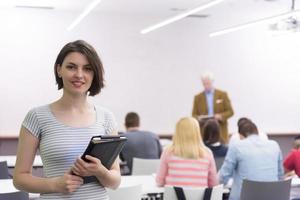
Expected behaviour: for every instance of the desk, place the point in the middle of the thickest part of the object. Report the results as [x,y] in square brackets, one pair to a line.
[295,182]
[11,161]
[7,186]
[148,184]
[147,181]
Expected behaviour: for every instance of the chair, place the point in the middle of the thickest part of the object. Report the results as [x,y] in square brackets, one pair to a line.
[219,162]
[14,196]
[132,192]
[277,190]
[4,170]
[193,193]
[142,166]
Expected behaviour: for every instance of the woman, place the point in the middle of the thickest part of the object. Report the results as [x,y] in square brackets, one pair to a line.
[187,162]
[61,131]
[211,138]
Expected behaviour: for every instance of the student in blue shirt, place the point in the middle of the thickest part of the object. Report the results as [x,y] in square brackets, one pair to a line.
[251,158]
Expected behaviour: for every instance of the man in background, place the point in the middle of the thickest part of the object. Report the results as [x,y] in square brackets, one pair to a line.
[140,144]
[213,103]
[253,158]
[235,137]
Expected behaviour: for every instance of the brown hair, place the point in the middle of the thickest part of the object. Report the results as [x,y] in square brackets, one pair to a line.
[132,119]
[211,131]
[86,49]
[247,128]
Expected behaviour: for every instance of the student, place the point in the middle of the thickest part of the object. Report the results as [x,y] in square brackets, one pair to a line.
[140,144]
[235,137]
[211,138]
[252,158]
[292,166]
[187,162]
[292,161]
[62,129]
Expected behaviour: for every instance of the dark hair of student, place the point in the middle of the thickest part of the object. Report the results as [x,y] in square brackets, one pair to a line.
[211,131]
[86,49]
[242,120]
[247,128]
[132,120]
[297,137]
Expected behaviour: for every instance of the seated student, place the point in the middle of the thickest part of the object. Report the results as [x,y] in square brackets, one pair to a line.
[211,138]
[292,166]
[292,161]
[187,162]
[252,158]
[140,144]
[235,137]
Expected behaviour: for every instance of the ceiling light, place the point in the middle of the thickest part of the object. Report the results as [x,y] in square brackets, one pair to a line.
[85,12]
[180,16]
[35,7]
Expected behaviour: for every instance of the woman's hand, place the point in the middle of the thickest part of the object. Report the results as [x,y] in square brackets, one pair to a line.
[92,168]
[67,183]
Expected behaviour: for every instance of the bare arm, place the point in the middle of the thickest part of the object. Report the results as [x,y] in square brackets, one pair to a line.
[23,178]
[110,178]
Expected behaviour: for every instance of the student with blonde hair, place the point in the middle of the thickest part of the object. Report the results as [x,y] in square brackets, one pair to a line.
[187,162]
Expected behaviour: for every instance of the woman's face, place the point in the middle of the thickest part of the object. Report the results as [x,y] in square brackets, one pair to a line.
[76,73]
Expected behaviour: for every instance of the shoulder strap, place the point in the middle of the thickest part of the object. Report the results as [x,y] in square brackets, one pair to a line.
[207,193]
[179,193]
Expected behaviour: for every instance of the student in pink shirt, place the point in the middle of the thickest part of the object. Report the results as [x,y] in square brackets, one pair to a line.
[187,162]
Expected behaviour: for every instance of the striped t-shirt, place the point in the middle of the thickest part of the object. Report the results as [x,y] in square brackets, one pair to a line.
[177,171]
[61,144]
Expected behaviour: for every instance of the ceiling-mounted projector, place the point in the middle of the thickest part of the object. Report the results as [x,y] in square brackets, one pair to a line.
[288,24]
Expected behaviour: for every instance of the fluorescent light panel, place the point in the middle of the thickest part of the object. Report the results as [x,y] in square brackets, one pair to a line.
[246,25]
[85,12]
[180,16]
[35,7]
[31,4]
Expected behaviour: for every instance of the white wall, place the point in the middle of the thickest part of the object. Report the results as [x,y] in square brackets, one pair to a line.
[156,74]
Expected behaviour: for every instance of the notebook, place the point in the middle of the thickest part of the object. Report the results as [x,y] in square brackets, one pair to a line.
[106,148]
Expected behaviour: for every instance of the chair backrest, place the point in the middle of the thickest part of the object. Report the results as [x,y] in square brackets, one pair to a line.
[14,196]
[219,162]
[142,166]
[193,193]
[132,192]
[4,170]
[277,190]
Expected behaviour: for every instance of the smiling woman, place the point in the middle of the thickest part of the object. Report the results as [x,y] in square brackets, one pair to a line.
[75,73]
[62,129]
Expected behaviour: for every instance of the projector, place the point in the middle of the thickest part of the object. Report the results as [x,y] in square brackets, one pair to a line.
[288,24]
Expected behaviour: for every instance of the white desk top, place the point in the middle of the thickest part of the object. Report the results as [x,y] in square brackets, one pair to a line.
[7,186]
[149,185]
[11,161]
[295,182]
[147,181]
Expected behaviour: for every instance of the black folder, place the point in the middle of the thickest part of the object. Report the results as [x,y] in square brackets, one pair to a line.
[106,148]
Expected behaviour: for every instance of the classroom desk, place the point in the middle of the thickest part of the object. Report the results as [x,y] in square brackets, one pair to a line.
[7,186]
[147,181]
[148,184]
[11,161]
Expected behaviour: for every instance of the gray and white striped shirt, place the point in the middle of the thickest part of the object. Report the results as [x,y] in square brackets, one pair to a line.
[61,144]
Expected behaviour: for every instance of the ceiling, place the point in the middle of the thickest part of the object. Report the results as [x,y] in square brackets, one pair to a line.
[228,13]
[153,7]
